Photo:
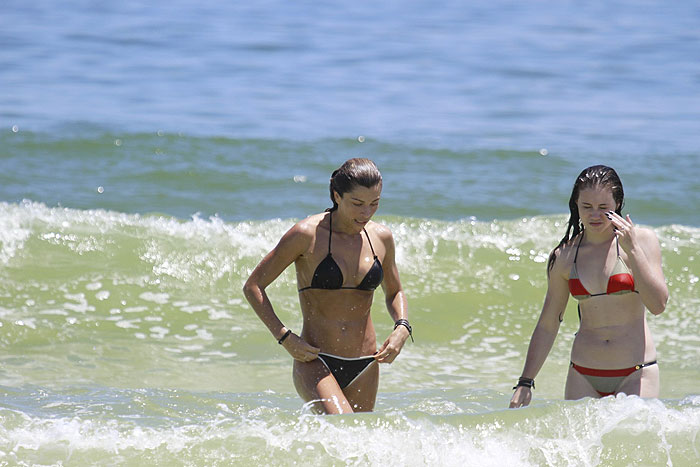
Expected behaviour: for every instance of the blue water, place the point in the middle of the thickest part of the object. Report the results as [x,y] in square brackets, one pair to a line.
[569,76]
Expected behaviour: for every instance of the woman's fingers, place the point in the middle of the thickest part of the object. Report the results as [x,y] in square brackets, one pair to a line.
[309,351]
[299,349]
[521,397]
[622,226]
[618,220]
[386,358]
[387,353]
[392,347]
[625,230]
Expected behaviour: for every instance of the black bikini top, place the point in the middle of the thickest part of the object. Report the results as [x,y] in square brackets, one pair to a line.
[329,276]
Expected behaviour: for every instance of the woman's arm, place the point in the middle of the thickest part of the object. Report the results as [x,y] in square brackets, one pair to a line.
[293,244]
[395,302]
[644,258]
[545,331]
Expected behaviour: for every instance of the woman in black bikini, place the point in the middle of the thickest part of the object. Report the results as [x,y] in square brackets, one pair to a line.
[340,257]
[613,268]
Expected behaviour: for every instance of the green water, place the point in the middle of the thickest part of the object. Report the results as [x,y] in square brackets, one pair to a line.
[126,338]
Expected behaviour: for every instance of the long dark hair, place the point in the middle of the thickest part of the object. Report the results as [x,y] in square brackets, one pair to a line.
[595,176]
[353,173]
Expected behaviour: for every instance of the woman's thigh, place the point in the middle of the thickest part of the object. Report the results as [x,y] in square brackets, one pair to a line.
[643,383]
[362,393]
[578,387]
[314,383]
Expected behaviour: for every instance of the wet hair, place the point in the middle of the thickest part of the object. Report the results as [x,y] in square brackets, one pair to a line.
[596,176]
[353,173]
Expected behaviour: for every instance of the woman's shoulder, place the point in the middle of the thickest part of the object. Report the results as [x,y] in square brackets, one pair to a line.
[564,255]
[568,248]
[311,223]
[648,237]
[304,231]
[647,233]
[380,230]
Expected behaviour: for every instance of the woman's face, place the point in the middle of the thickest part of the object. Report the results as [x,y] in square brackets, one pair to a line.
[592,204]
[359,204]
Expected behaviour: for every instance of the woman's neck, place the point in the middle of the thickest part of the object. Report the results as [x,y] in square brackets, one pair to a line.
[343,225]
[603,236]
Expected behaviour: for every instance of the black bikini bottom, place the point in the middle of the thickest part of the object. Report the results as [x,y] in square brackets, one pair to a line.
[345,370]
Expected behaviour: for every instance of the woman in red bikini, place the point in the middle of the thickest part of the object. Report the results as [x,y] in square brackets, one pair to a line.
[613,268]
[341,257]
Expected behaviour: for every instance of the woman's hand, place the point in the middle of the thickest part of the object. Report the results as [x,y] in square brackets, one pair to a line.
[625,231]
[521,397]
[392,345]
[299,349]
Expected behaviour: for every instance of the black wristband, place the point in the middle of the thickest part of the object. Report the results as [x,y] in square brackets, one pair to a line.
[286,334]
[404,322]
[527,382]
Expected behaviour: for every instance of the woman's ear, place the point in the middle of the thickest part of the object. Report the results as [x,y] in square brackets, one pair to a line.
[336,197]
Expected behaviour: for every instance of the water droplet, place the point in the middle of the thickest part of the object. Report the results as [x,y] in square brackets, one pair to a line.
[361,139]
[15,128]
[543,152]
[100,189]
[117,142]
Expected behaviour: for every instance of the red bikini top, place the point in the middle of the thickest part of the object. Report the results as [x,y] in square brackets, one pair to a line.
[620,281]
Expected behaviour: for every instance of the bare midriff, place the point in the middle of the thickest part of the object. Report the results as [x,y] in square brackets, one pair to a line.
[338,321]
[613,334]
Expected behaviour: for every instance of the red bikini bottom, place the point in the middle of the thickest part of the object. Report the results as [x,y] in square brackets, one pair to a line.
[607,382]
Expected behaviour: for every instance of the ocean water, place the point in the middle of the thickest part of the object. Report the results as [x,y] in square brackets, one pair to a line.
[152,153]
